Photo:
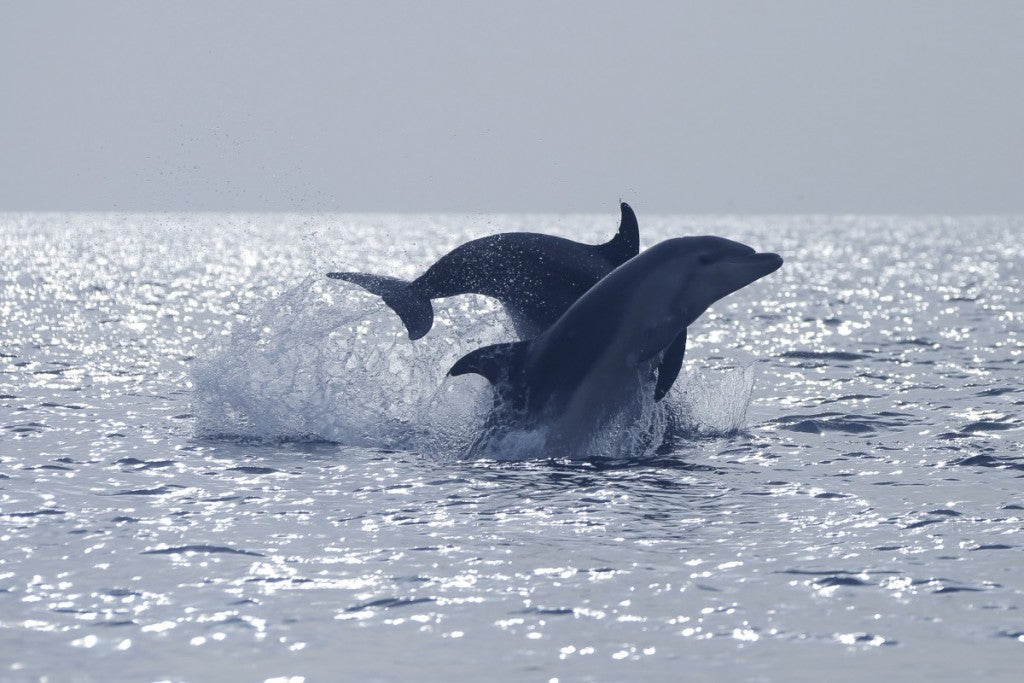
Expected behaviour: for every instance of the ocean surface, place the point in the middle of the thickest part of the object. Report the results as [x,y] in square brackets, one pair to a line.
[216,464]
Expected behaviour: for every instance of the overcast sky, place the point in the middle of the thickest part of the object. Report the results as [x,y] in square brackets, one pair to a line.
[741,107]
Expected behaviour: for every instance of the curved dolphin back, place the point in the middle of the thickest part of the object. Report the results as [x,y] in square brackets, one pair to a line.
[537,277]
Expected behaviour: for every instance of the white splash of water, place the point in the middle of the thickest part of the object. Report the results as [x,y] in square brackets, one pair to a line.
[715,403]
[324,362]
[329,362]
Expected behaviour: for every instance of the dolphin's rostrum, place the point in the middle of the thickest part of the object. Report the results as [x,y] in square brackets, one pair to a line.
[536,277]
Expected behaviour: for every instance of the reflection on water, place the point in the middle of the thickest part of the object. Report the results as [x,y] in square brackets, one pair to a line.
[867,514]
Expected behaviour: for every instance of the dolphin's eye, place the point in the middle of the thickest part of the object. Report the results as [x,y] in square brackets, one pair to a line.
[705,259]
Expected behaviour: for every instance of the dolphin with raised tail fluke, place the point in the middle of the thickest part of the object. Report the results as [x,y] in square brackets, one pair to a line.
[536,277]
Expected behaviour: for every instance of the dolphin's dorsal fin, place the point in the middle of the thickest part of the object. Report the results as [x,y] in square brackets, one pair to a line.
[497,363]
[626,243]
[671,362]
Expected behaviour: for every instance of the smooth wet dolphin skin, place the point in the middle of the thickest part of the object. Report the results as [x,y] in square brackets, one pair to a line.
[592,364]
[536,277]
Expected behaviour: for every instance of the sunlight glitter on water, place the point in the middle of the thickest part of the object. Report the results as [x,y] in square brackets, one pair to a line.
[866,515]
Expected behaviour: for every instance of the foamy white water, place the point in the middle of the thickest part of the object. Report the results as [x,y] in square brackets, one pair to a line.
[216,463]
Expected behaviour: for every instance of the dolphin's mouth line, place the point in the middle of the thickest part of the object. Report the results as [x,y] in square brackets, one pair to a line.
[757,257]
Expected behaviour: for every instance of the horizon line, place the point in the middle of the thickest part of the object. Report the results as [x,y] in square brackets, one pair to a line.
[467,212]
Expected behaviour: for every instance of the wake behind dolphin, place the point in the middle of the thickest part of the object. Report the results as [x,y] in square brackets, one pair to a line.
[536,277]
[591,367]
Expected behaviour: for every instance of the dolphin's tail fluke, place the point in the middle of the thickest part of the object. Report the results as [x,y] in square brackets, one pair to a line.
[626,243]
[413,308]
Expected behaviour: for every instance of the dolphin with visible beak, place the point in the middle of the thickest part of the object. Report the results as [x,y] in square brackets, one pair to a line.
[592,365]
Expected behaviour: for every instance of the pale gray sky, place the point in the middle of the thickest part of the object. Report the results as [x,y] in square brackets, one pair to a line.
[784,106]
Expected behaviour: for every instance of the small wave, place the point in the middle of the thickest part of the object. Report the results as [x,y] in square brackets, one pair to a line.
[389,603]
[820,423]
[253,469]
[158,491]
[982,460]
[34,513]
[824,355]
[208,549]
[987,426]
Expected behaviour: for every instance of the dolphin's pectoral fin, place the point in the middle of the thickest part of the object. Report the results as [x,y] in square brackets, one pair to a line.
[496,362]
[413,308]
[671,363]
[626,243]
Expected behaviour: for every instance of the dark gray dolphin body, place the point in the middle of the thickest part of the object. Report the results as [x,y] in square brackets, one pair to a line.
[536,277]
[594,362]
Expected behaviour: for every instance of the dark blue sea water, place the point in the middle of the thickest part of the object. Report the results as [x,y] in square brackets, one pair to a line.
[217,464]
